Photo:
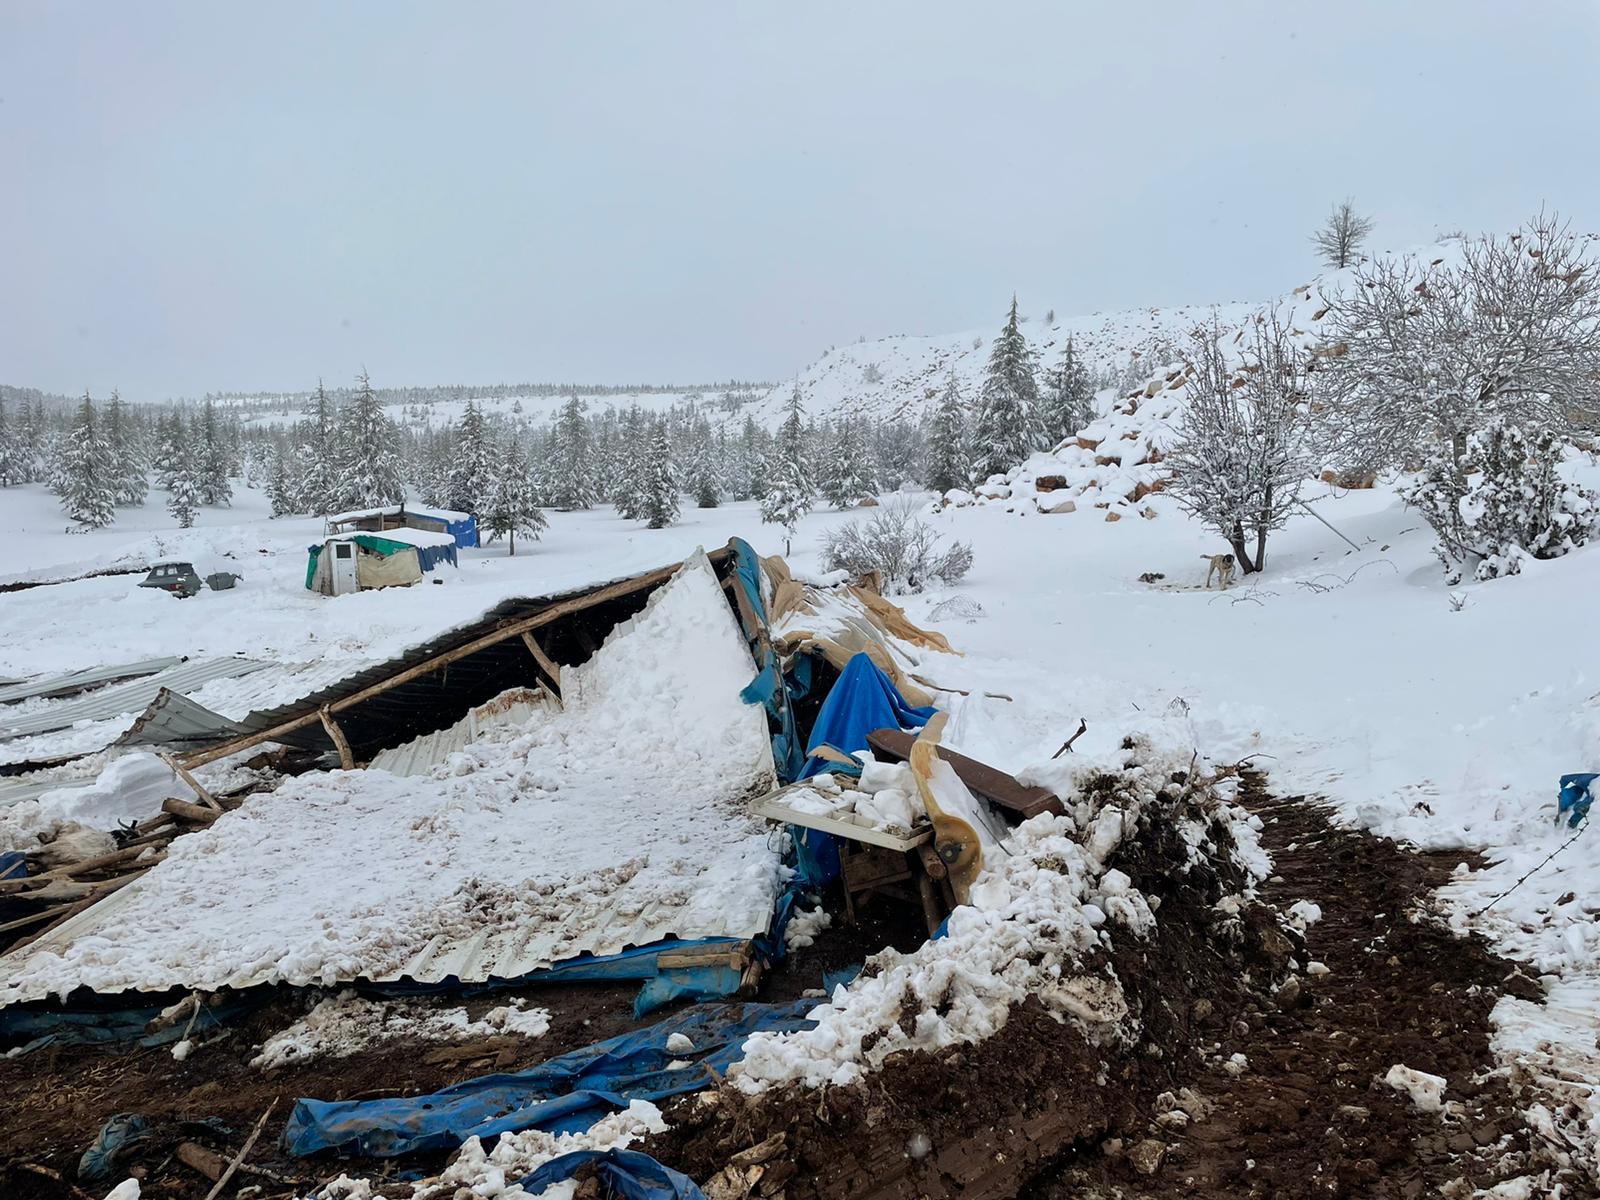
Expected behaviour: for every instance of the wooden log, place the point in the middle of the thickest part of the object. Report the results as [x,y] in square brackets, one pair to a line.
[546,664]
[512,629]
[190,812]
[347,760]
[208,1162]
[206,797]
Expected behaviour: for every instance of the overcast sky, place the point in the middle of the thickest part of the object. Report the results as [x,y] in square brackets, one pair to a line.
[229,196]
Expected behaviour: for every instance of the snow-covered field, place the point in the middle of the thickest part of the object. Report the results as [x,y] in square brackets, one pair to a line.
[1442,716]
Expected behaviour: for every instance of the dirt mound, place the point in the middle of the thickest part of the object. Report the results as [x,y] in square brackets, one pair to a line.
[983,1120]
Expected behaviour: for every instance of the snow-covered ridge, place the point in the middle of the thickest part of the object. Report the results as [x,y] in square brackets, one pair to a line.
[903,377]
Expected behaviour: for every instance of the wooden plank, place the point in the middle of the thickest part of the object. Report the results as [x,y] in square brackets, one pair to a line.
[190,812]
[775,810]
[512,629]
[347,760]
[546,664]
[984,781]
[206,797]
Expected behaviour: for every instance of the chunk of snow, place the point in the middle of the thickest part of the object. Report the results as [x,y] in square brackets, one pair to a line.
[1304,913]
[679,1043]
[1426,1091]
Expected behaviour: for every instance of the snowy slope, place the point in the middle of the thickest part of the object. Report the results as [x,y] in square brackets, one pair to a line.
[912,371]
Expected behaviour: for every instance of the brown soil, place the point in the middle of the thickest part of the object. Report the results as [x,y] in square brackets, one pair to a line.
[1035,1113]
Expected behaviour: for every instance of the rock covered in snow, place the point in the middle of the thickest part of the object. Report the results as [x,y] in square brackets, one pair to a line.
[1426,1091]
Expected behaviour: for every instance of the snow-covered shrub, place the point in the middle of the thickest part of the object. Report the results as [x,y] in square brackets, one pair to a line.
[906,551]
[1503,501]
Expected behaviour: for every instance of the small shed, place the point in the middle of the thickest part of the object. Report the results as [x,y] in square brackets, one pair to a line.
[463,527]
[354,562]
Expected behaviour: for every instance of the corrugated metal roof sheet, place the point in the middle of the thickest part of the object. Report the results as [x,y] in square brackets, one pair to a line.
[78,681]
[126,698]
[172,719]
[416,756]
[16,790]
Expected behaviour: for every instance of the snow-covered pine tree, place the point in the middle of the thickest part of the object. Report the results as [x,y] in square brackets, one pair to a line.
[86,471]
[280,485]
[849,475]
[658,483]
[171,449]
[754,453]
[212,459]
[1068,403]
[570,466]
[629,462]
[472,471]
[183,497]
[129,485]
[370,468]
[703,481]
[789,491]
[949,457]
[1006,430]
[512,505]
[11,452]
[319,456]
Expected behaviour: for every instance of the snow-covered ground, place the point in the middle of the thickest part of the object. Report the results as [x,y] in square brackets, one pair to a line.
[1443,716]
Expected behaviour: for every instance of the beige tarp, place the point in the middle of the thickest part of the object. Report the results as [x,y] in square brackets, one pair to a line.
[841,622]
[392,570]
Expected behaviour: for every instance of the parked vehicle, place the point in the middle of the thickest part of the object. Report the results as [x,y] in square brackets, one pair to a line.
[183,581]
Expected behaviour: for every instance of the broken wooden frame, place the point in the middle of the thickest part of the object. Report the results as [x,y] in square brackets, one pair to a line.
[521,628]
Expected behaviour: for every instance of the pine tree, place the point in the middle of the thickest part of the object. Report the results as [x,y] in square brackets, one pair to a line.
[182,499]
[658,490]
[1006,430]
[172,449]
[789,492]
[212,467]
[280,488]
[512,504]
[849,475]
[319,456]
[129,485]
[571,466]
[1068,403]
[86,460]
[472,473]
[370,468]
[702,479]
[950,464]
[629,461]
[11,451]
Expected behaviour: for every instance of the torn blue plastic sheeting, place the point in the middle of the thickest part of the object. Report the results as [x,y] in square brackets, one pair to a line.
[24,1030]
[563,1095]
[13,864]
[623,1175]
[769,688]
[661,985]
[1575,798]
[114,1142]
[863,699]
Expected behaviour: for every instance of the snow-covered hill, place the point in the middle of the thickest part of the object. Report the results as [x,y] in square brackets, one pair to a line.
[905,376]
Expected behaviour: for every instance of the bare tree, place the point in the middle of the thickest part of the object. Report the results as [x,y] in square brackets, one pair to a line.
[1341,235]
[1243,449]
[1424,351]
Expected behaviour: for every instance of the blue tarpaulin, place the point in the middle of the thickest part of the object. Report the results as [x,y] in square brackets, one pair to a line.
[25,1028]
[563,1095]
[863,699]
[1575,798]
[769,688]
[13,864]
[623,1175]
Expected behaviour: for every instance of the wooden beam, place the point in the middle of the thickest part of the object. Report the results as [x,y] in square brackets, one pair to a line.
[182,771]
[555,612]
[546,664]
[347,760]
[189,812]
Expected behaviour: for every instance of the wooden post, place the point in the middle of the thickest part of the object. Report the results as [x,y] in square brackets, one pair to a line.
[546,664]
[346,759]
[206,797]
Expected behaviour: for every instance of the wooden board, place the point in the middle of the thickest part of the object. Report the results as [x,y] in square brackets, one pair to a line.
[984,781]
[773,808]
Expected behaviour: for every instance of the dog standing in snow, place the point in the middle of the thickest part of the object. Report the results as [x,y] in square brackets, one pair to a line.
[1221,565]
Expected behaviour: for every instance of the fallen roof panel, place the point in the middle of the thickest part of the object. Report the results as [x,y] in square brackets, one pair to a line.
[82,680]
[17,789]
[125,699]
[175,720]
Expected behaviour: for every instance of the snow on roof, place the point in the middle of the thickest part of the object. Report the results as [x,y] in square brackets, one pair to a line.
[411,537]
[508,875]
[394,510]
